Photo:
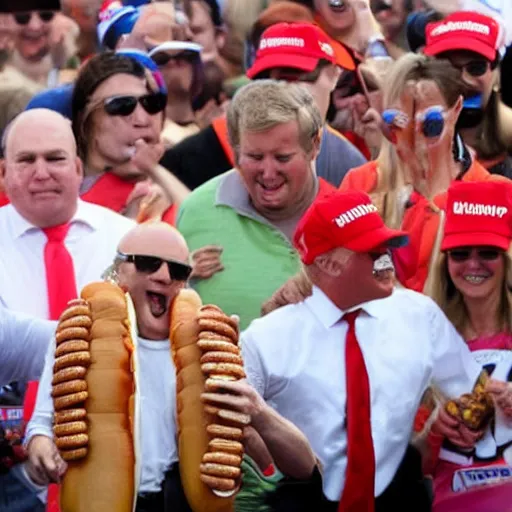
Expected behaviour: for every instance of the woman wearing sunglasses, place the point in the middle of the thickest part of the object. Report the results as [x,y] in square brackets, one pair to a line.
[470,280]
[485,121]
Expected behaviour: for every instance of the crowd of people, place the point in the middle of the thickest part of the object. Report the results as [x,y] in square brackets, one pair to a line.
[333,173]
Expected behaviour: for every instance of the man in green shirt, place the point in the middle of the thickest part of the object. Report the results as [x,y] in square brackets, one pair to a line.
[251,212]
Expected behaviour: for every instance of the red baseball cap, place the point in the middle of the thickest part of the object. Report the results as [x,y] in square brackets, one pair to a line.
[343,219]
[478,213]
[296,45]
[464,30]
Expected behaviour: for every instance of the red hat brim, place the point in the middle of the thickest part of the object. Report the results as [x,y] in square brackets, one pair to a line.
[475,239]
[371,240]
[283,60]
[461,43]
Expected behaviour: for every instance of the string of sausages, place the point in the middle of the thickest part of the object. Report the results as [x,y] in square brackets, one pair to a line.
[69,387]
[221,360]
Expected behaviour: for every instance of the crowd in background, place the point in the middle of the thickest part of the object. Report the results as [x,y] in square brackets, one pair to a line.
[182,111]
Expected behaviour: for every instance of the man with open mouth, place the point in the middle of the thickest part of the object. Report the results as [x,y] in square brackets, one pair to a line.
[349,364]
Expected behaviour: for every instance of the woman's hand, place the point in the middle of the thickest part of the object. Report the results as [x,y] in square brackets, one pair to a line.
[501,393]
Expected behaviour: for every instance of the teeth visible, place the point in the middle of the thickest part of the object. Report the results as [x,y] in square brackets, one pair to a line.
[474,279]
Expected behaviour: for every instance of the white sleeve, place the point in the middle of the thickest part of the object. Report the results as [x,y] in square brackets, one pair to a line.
[23,344]
[455,370]
[253,364]
[42,419]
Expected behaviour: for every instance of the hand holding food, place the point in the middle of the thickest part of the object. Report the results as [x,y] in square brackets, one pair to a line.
[501,393]
[473,409]
[45,465]
[210,456]
[93,392]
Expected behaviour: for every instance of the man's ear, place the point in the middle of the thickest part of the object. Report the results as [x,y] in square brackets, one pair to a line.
[457,108]
[2,170]
[317,141]
[220,38]
[328,265]
[79,167]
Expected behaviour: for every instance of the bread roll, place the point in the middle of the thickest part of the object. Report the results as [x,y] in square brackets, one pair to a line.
[105,479]
[192,419]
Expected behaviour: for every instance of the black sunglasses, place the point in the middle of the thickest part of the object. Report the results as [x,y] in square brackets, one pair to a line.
[483,254]
[23,18]
[151,264]
[126,105]
[476,68]
[162,59]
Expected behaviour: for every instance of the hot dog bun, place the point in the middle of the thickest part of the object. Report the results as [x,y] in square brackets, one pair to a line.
[102,478]
[192,418]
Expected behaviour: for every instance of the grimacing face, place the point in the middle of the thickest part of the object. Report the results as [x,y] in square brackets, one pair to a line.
[42,173]
[276,170]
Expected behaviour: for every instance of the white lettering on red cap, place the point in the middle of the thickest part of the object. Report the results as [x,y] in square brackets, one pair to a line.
[487,210]
[326,48]
[469,26]
[273,42]
[354,214]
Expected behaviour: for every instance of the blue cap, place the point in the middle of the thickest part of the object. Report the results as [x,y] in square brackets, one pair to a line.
[57,99]
[145,60]
[115,22]
[136,3]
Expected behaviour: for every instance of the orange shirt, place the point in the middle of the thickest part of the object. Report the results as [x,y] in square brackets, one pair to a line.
[421,221]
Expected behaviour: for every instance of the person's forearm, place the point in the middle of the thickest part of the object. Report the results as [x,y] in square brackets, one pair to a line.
[287,445]
[171,185]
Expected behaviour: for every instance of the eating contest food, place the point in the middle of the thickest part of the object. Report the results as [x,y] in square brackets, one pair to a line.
[205,350]
[474,409]
[93,390]
[96,402]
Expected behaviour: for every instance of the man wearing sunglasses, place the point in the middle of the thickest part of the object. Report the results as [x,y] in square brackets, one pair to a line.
[152,265]
[470,40]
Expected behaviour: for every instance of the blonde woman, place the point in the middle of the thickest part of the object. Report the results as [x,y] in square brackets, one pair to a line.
[423,155]
[470,280]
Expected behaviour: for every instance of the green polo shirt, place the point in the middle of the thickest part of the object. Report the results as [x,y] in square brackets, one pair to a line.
[257,257]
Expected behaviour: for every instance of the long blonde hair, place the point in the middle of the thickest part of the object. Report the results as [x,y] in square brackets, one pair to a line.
[394,184]
[441,289]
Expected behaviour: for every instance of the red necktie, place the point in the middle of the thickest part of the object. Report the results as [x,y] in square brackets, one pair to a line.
[358,494]
[61,288]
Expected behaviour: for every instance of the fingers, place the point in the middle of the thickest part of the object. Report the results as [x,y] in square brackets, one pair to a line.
[207,250]
[495,386]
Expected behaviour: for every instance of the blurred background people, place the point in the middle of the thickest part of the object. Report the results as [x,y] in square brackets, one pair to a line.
[485,122]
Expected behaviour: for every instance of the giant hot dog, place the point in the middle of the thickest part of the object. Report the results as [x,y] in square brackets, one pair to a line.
[94,398]
[210,448]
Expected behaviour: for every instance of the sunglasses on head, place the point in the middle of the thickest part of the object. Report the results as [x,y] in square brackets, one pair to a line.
[483,254]
[23,18]
[126,105]
[475,68]
[151,264]
[162,59]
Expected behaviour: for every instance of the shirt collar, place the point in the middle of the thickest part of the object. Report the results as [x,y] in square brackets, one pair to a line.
[232,192]
[329,314]
[84,215]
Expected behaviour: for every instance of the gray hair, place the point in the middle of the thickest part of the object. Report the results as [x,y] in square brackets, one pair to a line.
[264,104]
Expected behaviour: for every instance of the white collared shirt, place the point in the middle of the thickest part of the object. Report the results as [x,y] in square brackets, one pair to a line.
[92,242]
[295,358]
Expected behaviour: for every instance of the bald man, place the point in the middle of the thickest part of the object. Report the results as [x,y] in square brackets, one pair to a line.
[152,265]
[41,175]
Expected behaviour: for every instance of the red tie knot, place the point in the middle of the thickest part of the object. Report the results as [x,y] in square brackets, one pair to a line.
[351,316]
[57,234]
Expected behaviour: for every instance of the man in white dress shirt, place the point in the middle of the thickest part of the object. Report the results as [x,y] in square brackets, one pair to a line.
[295,356]
[152,264]
[41,176]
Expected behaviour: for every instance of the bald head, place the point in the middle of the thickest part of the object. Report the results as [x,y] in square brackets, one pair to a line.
[155,239]
[44,122]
